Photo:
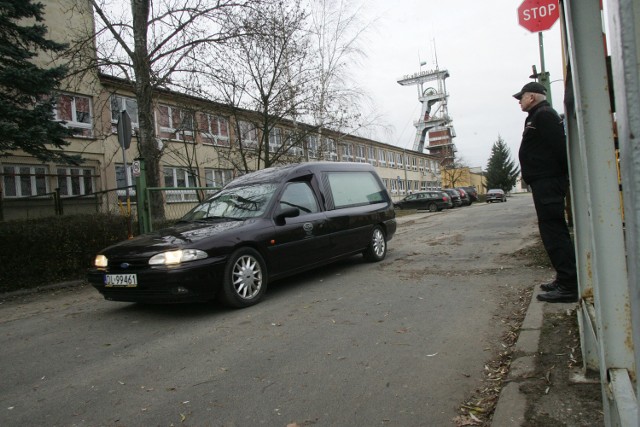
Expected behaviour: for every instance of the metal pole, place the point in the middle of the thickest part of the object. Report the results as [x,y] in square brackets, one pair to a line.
[544,75]
[602,243]
[126,175]
[624,23]
[141,195]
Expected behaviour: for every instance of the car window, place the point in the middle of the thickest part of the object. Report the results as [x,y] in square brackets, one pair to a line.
[299,195]
[354,188]
[234,203]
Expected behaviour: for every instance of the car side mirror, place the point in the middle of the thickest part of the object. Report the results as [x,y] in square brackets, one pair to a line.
[286,213]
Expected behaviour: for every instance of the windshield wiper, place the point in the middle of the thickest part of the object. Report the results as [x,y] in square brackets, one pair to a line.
[213,218]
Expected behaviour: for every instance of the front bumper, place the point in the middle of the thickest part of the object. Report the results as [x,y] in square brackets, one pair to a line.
[188,282]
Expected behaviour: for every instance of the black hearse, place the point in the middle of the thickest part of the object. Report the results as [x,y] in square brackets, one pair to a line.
[261,227]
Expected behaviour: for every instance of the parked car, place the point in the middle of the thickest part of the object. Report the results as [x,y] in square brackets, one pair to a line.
[431,200]
[455,196]
[472,192]
[259,228]
[447,197]
[464,197]
[496,195]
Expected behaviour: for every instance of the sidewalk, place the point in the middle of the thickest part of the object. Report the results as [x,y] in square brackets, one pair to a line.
[546,384]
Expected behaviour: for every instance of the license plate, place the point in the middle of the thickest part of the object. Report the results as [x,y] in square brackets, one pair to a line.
[120,280]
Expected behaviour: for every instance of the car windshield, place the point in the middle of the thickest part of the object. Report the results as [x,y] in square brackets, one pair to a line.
[234,203]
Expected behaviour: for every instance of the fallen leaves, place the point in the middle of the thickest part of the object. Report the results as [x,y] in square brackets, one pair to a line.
[477,411]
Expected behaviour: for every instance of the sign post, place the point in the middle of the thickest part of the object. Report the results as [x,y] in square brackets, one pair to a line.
[124,138]
[538,16]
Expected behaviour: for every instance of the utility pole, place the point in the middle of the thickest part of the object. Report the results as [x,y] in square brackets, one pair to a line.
[543,77]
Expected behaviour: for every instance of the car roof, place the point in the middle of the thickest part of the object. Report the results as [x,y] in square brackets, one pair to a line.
[287,172]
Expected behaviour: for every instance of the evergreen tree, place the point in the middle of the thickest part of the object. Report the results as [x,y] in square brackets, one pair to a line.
[501,169]
[26,101]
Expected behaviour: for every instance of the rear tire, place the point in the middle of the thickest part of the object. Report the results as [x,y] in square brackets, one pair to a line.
[433,207]
[245,279]
[377,249]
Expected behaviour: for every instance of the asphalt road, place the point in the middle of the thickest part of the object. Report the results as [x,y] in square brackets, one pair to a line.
[398,343]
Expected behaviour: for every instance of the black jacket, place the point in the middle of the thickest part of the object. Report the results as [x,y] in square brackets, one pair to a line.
[543,151]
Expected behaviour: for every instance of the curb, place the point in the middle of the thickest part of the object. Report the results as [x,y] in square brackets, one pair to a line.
[512,404]
[55,286]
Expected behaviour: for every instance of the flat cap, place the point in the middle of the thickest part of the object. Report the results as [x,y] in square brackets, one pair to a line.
[533,87]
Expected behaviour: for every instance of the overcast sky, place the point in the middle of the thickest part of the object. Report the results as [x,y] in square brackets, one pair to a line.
[488,56]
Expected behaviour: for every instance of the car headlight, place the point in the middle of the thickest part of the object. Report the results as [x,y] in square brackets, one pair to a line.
[101,261]
[177,257]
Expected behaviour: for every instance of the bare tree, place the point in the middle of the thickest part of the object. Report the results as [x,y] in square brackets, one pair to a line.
[337,33]
[455,174]
[266,71]
[294,70]
[153,45]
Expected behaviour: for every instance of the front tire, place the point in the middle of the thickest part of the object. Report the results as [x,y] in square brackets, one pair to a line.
[245,279]
[377,249]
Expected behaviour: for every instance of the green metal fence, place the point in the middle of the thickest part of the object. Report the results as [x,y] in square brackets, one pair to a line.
[112,201]
[177,201]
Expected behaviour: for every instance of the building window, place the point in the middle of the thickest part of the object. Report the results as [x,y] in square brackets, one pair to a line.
[294,144]
[180,178]
[312,146]
[372,156]
[122,103]
[75,181]
[414,163]
[399,159]
[347,152]
[214,129]
[275,140]
[75,111]
[360,154]
[24,181]
[248,134]
[390,158]
[330,151]
[124,180]
[401,186]
[175,123]
[217,177]
[382,157]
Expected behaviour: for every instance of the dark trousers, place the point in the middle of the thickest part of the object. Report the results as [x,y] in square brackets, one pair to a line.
[548,197]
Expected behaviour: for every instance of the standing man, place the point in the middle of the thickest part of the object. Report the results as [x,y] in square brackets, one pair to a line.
[543,162]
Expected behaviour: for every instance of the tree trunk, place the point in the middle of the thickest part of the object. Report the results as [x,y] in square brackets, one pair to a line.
[149,149]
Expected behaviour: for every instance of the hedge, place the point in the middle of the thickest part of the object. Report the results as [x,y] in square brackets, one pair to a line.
[38,252]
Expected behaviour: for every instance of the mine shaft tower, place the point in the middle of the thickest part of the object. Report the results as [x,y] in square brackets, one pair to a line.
[434,118]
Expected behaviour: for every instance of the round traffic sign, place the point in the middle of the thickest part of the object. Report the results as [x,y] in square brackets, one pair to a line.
[135,168]
[538,15]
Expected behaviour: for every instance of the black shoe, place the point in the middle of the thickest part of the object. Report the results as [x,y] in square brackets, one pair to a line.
[549,286]
[559,295]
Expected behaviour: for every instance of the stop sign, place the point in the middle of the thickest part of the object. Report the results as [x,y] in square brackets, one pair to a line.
[538,15]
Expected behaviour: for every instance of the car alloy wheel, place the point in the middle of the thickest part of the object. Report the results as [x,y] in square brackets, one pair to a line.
[433,207]
[377,249]
[245,278]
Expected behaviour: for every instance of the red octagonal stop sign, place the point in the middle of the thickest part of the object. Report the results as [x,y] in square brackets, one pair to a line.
[538,15]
